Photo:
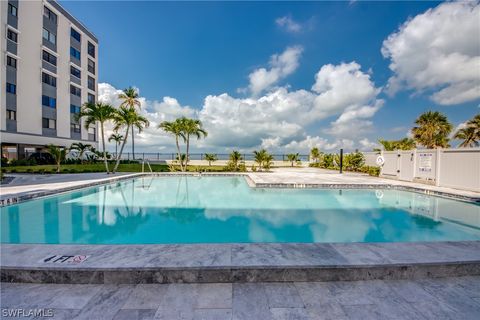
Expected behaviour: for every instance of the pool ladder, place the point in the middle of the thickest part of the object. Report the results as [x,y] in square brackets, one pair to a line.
[148,164]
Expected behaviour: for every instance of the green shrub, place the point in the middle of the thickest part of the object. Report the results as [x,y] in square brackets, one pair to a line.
[65,170]
[73,170]
[353,161]
[13,170]
[4,162]
[22,162]
[29,170]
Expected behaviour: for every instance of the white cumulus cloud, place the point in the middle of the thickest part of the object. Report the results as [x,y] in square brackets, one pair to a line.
[438,51]
[281,65]
[288,24]
[279,120]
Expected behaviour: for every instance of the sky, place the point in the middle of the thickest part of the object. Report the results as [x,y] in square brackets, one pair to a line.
[288,76]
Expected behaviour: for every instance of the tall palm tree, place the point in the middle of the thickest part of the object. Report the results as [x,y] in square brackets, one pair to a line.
[58,153]
[129,97]
[127,117]
[210,157]
[118,138]
[175,128]
[432,130]
[293,158]
[469,137]
[191,127]
[81,148]
[470,134]
[98,112]
[315,154]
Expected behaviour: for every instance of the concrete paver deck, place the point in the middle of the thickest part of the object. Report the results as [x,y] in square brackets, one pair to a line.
[443,298]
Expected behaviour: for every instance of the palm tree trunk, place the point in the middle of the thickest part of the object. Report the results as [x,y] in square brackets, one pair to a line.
[178,153]
[186,155]
[121,150]
[133,143]
[116,149]
[103,146]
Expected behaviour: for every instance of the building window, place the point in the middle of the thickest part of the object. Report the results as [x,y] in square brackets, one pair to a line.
[74,109]
[12,10]
[12,35]
[50,58]
[12,62]
[75,53]
[48,79]
[91,49]
[75,127]
[91,66]
[75,91]
[47,13]
[49,123]
[11,88]
[91,98]
[50,37]
[92,134]
[49,101]
[75,34]
[75,72]
[91,83]
[11,115]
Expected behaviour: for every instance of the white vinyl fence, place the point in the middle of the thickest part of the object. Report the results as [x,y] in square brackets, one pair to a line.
[455,168]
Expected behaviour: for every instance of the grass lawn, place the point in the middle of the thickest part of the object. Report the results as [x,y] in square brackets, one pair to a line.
[100,167]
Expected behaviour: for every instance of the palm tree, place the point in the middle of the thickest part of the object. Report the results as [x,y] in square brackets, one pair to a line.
[98,112]
[58,153]
[130,99]
[432,130]
[315,154]
[117,138]
[267,161]
[234,158]
[176,129]
[210,157]
[191,127]
[470,134]
[263,159]
[81,148]
[129,118]
[293,158]
[392,145]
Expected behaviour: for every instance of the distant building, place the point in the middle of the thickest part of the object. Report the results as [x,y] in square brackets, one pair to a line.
[49,69]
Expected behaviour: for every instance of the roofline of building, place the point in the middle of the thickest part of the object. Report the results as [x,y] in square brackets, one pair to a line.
[74,20]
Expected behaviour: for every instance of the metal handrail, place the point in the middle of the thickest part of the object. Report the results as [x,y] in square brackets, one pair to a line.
[148,164]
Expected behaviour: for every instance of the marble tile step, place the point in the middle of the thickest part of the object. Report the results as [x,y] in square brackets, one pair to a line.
[240,275]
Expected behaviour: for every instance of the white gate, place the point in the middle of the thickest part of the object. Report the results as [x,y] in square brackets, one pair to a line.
[407,165]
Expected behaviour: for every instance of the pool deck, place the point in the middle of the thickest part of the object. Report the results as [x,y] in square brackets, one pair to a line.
[446,298]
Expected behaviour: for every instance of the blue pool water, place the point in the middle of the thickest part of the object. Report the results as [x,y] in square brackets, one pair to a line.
[225,209]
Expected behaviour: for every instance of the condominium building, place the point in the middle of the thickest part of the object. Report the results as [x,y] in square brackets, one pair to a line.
[49,69]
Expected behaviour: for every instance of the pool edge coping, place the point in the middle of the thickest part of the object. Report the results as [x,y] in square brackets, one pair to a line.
[298,262]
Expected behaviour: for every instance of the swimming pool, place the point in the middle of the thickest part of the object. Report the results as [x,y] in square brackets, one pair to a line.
[161,210]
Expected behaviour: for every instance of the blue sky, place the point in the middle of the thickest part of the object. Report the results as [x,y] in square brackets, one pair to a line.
[188,51]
